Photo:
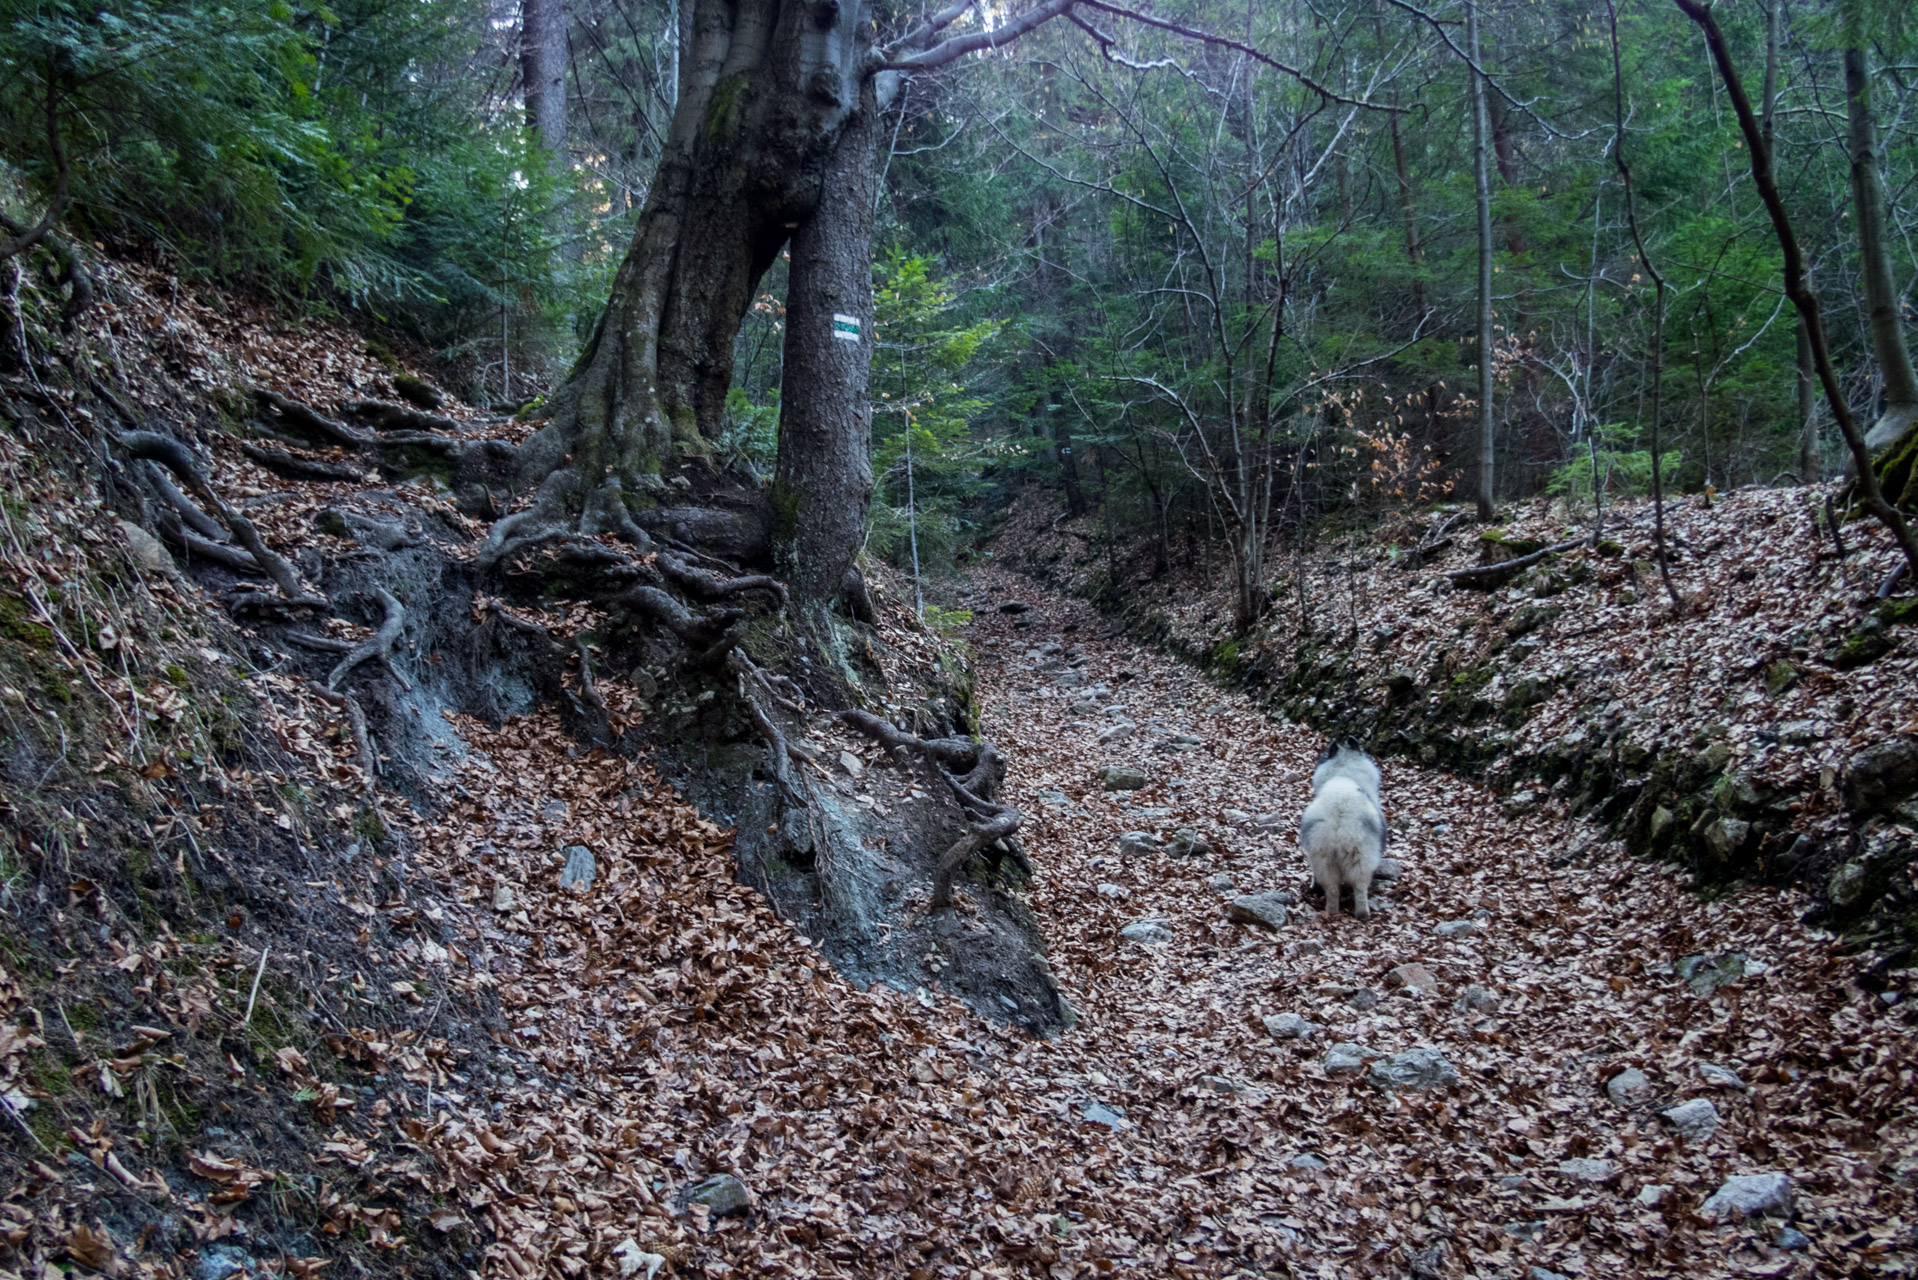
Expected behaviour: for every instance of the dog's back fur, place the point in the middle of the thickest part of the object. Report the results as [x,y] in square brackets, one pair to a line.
[1343,830]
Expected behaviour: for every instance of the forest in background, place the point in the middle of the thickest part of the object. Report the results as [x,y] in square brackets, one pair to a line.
[1107,257]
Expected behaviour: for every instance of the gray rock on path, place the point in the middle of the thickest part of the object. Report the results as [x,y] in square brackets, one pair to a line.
[1695,1120]
[1138,844]
[503,898]
[1147,933]
[1262,909]
[1721,1077]
[1187,843]
[1480,999]
[1459,929]
[1363,999]
[1653,1194]
[1344,1059]
[580,868]
[1585,1169]
[1706,974]
[553,813]
[1526,1230]
[1117,733]
[852,764]
[1116,892]
[722,1194]
[1750,1195]
[1307,1161]
[1412,977]
[1792,1240]
[1054,799]
[1414,1071]
[1221,882]
[217,1262]
[1237,817]
[1099,1113]
[148,551]
[1071,678]
[1388,870]
[1121,777]
[1881,775]
[1288,1026]
[1269,821]
[1628,1086]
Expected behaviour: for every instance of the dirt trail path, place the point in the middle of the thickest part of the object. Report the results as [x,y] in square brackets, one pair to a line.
[1551,965]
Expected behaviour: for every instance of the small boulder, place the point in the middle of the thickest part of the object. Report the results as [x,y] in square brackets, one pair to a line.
[1724,837]
[1628,1087]
[1117,733]
[217,1262]
[1882,775]
[1269,821]
[503,898]
[1187,843]
[1653,1194]
[1695,1120]
[1585,1169]
[1221,882]
[1412,977]
[1121,777]
[1138,844]
[1363,999]
[1054,799]
[1480,999]
[1459,929]
[1720,1077]
[1288,1026]
[554,813]
[579,870]
[1749,1195]
[722,1194]
[1099,1113]
[1306,1162]
[1262,909]
[1388,870]
[1706,974]
[852,764]
[1344,1059]
[1792,1240]
[147,551]
[1237,817]
[1415,1071]
[1848,883]
[1147,933]
[1116,892]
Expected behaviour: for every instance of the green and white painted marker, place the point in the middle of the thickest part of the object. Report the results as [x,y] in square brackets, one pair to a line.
[845,327]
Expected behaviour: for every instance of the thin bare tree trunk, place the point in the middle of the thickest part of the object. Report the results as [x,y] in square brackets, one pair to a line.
[1811,463]
[1482,188]
[1881,295]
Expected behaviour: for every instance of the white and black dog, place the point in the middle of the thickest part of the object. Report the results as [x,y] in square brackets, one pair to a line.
[1343,829]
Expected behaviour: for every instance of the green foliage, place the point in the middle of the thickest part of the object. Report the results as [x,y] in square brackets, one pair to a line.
[1623,470]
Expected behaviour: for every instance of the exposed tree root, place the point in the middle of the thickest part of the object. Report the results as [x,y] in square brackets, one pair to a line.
[154,447]
[984,769]
[382,416]
[285,464]
[305,420]
[378,645]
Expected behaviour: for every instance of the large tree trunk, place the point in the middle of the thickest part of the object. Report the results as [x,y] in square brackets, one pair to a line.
[542,62]
[1881,295]
[766,91]
[823,484]
[1482,186]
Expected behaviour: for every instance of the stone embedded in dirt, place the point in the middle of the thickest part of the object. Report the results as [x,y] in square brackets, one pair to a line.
[1269,821]
[503,899]
[852,764]
[1221,882]
[1415,1070]
[1414,977]
[1725,837]
[1014,606]
[1706,974]
[1085,707]
[553,813]
[217,1262]
[1099,1113]
[1237,817]
[1540,1273]
[1231,1088]
[580,868]
[1882,775]
[1147,933]
[1344,1059]
[1263,909]
[1307,947]
[722,1194]
[1118,732]
[1288,1026]
[1792,1240]
[148,551]
[1653,1194]
[1521,802]
[1138,844]
[1459,929]
[1388,869]
[1054,799]
[1116,892]
[1481,999]
[1071,679]
[1187,843]
[1720,1077]
[1363,999]
[1695,1120]
[1306,1161]
[1848,883]
[1586,1169]
[1749,1195]
[1628,1086]
[1121,777]
[1525,1230]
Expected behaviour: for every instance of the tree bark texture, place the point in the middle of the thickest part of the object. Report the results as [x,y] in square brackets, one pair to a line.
[823,483]
[542,65]
[766,90]
[1482,187]
[1881,295]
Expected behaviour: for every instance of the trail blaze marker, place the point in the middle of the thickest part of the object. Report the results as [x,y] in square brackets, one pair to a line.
[845,327]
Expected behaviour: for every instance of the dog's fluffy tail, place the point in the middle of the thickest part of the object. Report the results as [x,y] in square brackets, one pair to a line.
[1345,827]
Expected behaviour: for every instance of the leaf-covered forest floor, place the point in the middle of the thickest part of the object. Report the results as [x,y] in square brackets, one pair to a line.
[256,1023]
